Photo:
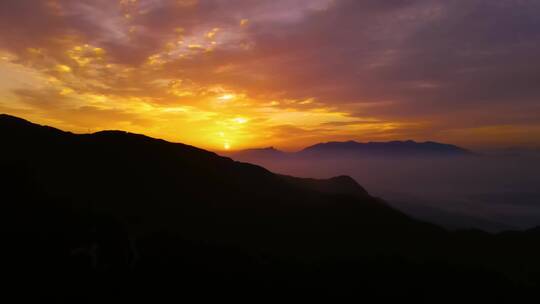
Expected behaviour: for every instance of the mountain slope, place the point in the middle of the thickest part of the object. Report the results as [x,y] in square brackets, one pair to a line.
[152,185]
[84,214]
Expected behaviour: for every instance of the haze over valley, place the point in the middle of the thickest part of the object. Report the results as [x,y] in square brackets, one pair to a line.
[457,188]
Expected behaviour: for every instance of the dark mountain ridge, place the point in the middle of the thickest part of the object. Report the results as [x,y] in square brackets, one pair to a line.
[111,168]
[261,152]
[403,148]
[336,149]
[110,207]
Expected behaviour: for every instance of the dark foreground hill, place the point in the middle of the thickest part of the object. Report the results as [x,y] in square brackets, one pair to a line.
[120,217]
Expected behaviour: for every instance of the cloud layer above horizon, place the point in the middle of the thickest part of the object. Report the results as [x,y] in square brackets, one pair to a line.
[240,73]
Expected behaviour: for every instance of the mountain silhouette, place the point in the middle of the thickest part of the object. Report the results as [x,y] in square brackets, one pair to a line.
[269,152]
[123,217]
[353,149]
[394,148]
[126,172]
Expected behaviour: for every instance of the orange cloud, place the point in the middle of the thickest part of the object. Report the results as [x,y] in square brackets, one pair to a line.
[260,73]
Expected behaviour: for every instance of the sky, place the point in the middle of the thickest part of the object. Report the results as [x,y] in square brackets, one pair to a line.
[235,74]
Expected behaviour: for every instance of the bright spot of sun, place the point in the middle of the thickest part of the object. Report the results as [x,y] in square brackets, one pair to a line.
[240,120]
[226,97]
[227,146]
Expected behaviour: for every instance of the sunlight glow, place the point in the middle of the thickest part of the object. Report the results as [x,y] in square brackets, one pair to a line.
[240,120]
[167,94]
[226,97]
[63,68]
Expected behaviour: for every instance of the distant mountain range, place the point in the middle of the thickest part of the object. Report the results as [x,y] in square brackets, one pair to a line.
[407,148]
[269,152]
[124,218]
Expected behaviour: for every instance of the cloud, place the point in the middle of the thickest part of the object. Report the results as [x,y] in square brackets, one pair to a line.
[422,69]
